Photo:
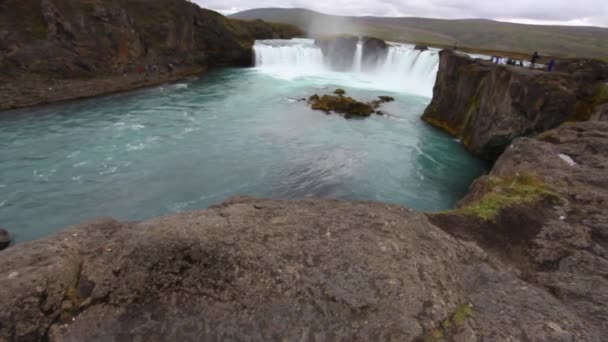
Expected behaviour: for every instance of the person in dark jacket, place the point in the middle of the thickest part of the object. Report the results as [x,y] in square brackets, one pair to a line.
[533,60]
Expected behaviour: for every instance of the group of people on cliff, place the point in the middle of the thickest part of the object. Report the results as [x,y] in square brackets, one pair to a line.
[533,61]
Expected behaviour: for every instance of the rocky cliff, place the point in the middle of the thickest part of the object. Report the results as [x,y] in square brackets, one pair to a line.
[486,106]
[50,40]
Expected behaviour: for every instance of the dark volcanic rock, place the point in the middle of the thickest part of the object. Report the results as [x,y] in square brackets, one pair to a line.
[339,52]
[5,239]
[63,39]
[374,51]
[486,105]
[272,270]
[544,210]
[421,47]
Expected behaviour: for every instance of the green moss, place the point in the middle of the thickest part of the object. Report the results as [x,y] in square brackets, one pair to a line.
[505,192]
[462,313]
[450,326]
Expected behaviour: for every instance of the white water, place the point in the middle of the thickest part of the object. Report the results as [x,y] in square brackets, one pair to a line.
[404,70]
[358,58]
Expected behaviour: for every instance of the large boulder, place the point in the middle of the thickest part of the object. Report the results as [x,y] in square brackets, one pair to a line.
[486,105]
[272,270]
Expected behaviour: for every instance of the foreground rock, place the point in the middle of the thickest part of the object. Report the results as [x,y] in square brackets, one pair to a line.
[272,270]
[544,210]
[486,106]
[53,40]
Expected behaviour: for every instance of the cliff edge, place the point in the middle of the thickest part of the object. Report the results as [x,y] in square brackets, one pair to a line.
[486,105]
[45,43]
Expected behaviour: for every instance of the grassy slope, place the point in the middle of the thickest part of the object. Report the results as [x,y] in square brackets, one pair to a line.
[565,41]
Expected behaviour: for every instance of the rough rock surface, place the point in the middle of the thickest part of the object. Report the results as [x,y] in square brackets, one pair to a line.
[64,39]
[486,106]
[558,238]
[249,269]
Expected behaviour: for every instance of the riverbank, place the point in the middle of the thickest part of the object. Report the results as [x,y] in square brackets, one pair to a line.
[38,90]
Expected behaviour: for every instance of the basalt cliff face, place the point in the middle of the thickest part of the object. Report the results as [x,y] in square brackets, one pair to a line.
[43,42]
[486,106]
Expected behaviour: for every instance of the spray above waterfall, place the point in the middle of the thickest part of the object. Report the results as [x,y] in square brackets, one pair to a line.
[401,68]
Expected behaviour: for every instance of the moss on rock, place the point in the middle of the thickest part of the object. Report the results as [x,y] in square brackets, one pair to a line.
[521,188]
[341,104]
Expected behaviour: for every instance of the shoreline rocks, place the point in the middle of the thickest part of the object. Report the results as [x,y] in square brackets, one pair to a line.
[5,239]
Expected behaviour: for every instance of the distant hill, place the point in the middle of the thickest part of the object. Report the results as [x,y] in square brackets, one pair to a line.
[564,41]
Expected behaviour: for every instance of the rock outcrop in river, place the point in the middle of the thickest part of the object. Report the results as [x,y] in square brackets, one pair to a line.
[45,41]
[486,106]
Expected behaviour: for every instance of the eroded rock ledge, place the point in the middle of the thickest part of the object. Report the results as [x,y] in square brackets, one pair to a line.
[54,50]
[523,258]
[486,106]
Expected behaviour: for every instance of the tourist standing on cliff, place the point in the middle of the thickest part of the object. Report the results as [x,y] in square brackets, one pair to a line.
[551,65]
[533,60]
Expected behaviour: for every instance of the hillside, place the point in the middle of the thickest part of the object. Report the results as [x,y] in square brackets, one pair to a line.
[564,41]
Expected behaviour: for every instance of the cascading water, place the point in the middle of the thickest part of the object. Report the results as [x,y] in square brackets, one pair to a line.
[404,69]
[358,61]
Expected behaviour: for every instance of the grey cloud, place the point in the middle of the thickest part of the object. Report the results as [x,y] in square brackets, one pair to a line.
[590,12]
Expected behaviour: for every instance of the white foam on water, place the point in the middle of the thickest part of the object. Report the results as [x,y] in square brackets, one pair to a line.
[404,70]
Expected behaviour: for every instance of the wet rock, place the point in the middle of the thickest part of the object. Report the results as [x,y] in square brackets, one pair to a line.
[339,91]
[342,105]
[338,51]
[421,47]
[5,239]
[374,51]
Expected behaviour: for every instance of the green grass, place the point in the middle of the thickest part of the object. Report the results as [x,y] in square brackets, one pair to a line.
[485,36]
[506,192]
[449,326]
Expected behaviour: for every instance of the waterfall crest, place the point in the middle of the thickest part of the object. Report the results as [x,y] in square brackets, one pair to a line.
[403,70]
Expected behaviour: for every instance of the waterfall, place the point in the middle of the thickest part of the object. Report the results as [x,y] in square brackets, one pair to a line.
[404,69]
[358,60]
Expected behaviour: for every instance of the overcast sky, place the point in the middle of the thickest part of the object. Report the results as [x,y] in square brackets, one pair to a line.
[564,12]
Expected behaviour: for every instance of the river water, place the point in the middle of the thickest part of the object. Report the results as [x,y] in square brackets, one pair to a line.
[189,145]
